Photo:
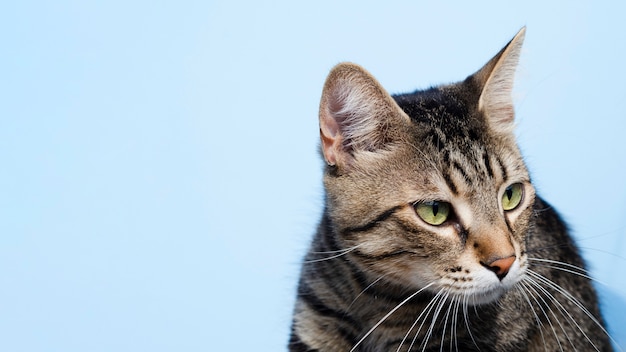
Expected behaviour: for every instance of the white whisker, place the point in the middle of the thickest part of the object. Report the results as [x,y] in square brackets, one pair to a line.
[533,285]
[573,272]
[577,303]
[340,253]
[612,254]
[567,294]
[425,157]
[531,290]
[388,315]
[466,318]
[572,266]
[576,269]
[426,311]
[445,325]
[453,328]
[362,292]
[523,289]
[434,320]
[571,298]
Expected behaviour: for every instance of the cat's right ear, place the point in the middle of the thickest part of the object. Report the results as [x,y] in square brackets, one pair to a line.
[496,81]
[356,114]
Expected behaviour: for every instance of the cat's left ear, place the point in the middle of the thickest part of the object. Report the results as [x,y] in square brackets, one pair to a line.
[356,115]
[496,79]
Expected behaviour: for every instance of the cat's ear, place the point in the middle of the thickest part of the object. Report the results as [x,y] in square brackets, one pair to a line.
[356,114]
[496,80]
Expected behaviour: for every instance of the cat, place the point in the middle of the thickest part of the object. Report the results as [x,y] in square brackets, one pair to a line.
[432,237]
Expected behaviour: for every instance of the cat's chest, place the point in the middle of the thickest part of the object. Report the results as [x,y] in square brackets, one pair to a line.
[437,322]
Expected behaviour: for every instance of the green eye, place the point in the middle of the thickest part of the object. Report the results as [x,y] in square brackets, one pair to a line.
[512,196]
[434,213]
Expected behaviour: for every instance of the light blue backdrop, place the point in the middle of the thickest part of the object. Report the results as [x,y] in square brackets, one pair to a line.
[159,176]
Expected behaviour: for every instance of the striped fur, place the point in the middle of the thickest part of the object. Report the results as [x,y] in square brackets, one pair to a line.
[378,277]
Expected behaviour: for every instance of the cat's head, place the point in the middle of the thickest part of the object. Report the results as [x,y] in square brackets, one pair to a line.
[429,188]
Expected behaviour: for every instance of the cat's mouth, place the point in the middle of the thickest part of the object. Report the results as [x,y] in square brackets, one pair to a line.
[482,287]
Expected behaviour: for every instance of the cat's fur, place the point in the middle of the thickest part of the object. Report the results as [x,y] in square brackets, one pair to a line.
[380,278]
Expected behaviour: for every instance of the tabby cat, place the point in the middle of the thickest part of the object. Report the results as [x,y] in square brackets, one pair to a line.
[432,236]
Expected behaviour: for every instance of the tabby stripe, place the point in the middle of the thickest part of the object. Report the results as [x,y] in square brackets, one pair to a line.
[296,345]
[438,139]
[312,301]
[407,228]
[347,335]
[330,240]
[446,157]
[487,164]
[460,169]
[370,225]
[377,257]
[357,274]
[325,241]
[330,244]
[393,343]
[450,183]
[380,290]
[342,270]
[502,168]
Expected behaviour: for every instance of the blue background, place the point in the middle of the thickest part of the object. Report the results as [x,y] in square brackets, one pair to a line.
[159,175]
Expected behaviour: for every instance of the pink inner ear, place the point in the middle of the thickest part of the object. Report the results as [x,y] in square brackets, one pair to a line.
[330,136]
[352,110]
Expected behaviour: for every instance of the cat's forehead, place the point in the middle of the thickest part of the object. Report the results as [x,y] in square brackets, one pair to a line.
[452,142]
[446,125]
[448,111]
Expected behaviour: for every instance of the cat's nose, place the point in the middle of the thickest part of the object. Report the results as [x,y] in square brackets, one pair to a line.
[500,266]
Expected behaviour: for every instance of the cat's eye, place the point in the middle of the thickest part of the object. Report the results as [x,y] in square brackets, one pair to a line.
[434,212]
[512,196]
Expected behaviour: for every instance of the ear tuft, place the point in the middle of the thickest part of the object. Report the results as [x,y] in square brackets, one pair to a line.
[355,114]
[496,79]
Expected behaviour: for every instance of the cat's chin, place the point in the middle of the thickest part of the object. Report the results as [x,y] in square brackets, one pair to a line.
[485,297]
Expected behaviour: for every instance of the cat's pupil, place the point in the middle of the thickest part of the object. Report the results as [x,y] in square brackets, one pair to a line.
[435,208]
[509,193]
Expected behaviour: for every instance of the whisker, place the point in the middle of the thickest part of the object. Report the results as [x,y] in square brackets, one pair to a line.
[532,283]
[466,318]
[543,292]
[426,311]
[614,255]
[572,299]
[568,295]
[441,298]
[362,292]
[543,260]
[574,272]
[607,233]
[525,289]
[577,303]
[340,251]
[389,314]
[434,320]
[539,211]
[455,321]
[582,272]
[425,156]
[445,325]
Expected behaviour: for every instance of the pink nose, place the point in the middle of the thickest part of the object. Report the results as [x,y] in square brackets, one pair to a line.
[501,266]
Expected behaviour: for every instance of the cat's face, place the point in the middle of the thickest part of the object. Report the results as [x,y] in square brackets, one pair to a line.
[429,189]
